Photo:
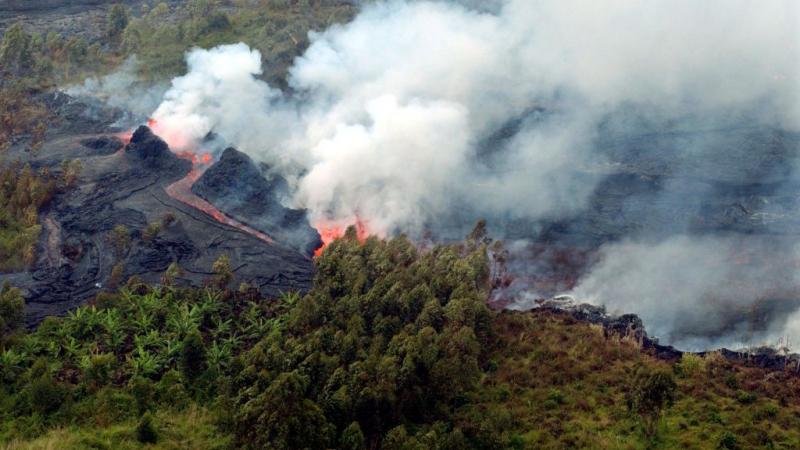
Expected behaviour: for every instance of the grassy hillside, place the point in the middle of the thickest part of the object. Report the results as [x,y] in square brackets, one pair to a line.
[393,348]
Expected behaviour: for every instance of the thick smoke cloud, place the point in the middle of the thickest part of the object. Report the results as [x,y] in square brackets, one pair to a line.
[420,113]
[391,106]
[702,292]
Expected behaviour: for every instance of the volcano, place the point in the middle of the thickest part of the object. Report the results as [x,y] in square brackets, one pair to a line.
[126,185]
[236,186]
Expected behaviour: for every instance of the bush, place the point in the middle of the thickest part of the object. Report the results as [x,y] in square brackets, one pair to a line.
[170,391]
[728,441]
[193,356]
[650,396]
[151,231]
[120,238]
[12,309]
[45,395]
[146,431]
[142,391]
[745,397]
[98,369]
[689,365]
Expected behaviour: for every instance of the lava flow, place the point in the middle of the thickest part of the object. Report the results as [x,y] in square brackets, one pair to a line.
[182,191]
[329,232]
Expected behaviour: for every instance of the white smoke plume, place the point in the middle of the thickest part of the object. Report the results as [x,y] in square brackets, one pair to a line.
[123,89]
[702,292]
[398,118]
[390,107]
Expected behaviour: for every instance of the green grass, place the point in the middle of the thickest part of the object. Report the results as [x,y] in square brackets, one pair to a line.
[564,385]
[192,428]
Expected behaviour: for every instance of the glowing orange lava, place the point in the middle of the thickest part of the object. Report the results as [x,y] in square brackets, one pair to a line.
[125,136]
[330,231]
[175,138]
[182,191]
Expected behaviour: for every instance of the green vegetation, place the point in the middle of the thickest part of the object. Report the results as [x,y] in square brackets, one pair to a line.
[22,194]
[160,36]
[392,348]
[279,29]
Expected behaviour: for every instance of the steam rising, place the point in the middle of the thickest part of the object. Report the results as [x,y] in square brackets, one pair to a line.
[419,112]
[700,292]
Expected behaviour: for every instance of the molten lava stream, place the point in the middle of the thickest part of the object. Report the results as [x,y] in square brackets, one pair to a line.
[182,192]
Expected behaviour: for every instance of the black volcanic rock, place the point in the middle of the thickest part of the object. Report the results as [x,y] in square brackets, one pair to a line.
[237,187]
[150,151]
[101,145]
[129,188]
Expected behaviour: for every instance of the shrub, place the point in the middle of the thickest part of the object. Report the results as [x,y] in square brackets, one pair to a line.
[114,405]
[650,396]
[45,395]
[146,431]
[98,369]
[728,441]
[151,231]
[171,392]
[193,356]
[689,365]
[120,238]
[117,272]
[745,397]
[142,391]
[12,309]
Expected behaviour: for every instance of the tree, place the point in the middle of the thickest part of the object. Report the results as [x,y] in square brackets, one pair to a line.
[16,55]
[12,309]
[193,356]
[97,369]
[282,417]
[117,272]
[173,272]
[222,272]
[151,231]
[45,395]
[71,170]
[352,438]
[145,431]
[199,9]
[20,115]
[650,396]
[116,22]
[479,235]
[120,239]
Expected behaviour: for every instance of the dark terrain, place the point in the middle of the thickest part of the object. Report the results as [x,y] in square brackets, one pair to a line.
[126,186]
[83,18]
[241,190]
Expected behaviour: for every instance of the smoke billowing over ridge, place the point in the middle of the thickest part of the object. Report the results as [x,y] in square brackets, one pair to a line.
[418,114]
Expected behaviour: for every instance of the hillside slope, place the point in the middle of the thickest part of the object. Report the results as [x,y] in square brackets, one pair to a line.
[392,348]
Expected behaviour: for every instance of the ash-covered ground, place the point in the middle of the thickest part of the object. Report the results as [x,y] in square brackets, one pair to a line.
[126,185]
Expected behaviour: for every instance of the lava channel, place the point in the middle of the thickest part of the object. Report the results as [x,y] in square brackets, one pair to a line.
[181,191]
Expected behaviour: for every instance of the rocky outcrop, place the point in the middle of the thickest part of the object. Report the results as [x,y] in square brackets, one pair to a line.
[146,150]
[236,186]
